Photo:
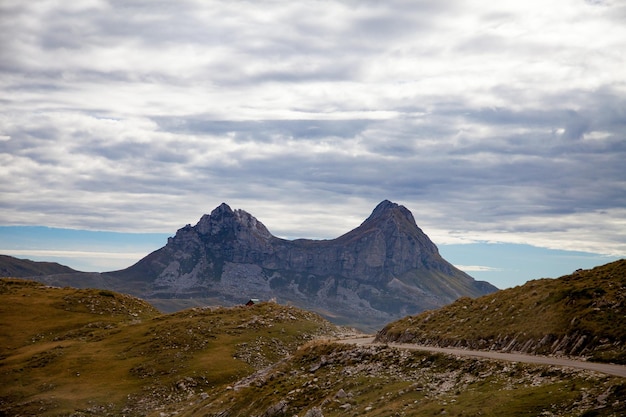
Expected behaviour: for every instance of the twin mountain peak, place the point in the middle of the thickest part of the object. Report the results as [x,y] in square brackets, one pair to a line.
[384,269]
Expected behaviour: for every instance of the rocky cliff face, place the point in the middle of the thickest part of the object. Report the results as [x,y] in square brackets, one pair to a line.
[384,269]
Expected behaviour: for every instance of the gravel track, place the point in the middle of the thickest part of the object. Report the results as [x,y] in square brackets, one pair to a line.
[605,368]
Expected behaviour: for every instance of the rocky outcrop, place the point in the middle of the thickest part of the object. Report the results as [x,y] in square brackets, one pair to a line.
[576,344]
[384,269]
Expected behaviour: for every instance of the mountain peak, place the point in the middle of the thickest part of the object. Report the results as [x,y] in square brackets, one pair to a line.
[222,209]
[389,210]
[383,207]
[223,219]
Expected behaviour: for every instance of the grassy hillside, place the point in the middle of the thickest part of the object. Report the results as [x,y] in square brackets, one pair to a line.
[84,352]
[582,314]
[78,352]
[15,267]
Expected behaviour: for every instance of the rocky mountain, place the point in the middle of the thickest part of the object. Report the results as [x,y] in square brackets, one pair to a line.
[384,269]
[15,267]
[581,314]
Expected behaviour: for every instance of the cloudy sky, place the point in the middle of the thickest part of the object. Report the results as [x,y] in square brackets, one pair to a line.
[493,122]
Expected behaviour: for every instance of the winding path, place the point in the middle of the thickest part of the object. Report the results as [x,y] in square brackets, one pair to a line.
[605,368]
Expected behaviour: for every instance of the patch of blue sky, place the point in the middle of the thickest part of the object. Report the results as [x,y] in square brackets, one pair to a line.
[507,265]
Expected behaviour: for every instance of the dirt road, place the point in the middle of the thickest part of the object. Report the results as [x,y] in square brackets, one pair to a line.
[605,368]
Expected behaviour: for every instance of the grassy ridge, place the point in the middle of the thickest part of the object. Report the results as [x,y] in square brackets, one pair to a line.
[582,314]
[16,267]
[97,352]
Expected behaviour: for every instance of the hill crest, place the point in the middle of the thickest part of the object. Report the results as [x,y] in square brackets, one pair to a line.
[581,314]
[16,267]
[68,351]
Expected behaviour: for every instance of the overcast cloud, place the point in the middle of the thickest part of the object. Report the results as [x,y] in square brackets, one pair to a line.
[491,121]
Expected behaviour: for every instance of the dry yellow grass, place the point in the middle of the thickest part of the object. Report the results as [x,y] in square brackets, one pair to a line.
[66,350]
[588,306]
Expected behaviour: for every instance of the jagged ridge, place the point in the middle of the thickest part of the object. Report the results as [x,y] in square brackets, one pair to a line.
[382,270]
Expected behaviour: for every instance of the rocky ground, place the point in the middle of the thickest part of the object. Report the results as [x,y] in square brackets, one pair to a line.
[333,380]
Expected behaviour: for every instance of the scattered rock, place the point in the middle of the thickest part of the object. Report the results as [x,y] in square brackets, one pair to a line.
[314,412]
[276,409]
[341,394]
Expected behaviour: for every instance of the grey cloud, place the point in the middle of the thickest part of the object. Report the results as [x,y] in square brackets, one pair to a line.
[576,125]
[264,130]
[504,116]
[154,23]
[520,163]
[436,143]
[150,153]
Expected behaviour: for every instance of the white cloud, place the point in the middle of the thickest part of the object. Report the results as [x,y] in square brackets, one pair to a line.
[477,268]
[490,121]
[73,254]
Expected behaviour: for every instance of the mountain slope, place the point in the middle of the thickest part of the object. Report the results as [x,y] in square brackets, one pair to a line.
[582,314]
[15,267]
[83,352]
[384,269]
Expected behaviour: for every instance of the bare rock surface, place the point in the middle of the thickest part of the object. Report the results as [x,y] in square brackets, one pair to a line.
[384,269]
